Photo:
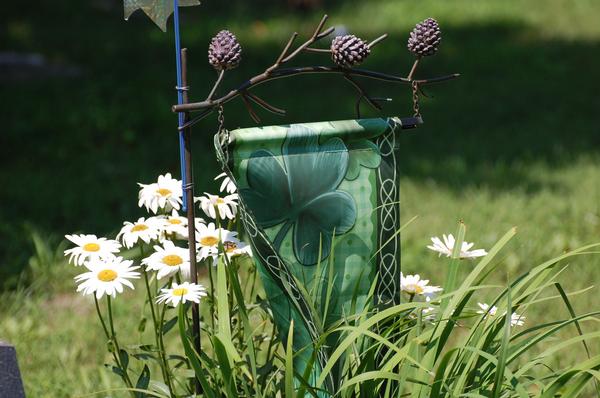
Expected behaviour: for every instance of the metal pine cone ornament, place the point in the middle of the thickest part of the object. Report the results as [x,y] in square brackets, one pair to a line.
[425,38]
[224,51]
[348,51]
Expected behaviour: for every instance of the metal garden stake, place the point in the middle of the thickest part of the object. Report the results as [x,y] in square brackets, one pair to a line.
[302,186]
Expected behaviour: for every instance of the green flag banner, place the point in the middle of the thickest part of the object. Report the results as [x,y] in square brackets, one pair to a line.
[315,196]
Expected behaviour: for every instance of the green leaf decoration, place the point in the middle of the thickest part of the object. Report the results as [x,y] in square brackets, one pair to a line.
[159,11]
[362,153]
[301,192]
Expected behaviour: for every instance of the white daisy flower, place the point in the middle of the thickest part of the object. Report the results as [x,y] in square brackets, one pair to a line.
[106,276]
[226,206]
[198,222]
[227,185]
[181,293]
[165,194]
[414,285]
[429,314]
[90,247]
[515,319]
[144,230]
[168,259]
[447,246]
[172,226]
[208,238]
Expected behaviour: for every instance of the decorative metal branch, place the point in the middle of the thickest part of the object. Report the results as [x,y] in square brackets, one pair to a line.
[346,52]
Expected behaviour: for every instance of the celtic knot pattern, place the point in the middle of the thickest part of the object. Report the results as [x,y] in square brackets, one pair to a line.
[388,214]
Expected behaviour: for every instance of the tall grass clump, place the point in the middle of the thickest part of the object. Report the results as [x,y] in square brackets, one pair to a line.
[439,341]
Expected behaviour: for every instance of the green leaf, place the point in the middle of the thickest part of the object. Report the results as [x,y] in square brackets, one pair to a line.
[124,358]
[455,262]
[142,325]
[224,365]
[193,356]
[143,381]
[223,301]
[554,388]
[110,346]
[159,387]
[498,382]
[567,302]
[248,334]
[361,330]
[167,326]
[116,370]
[289,363]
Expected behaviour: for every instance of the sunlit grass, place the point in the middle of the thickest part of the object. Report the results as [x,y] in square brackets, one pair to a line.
[492,151]
[61,346]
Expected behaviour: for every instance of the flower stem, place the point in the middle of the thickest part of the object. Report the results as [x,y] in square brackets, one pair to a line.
[162,352]
[452,276]
[117,348]
[157,330]
[101,318]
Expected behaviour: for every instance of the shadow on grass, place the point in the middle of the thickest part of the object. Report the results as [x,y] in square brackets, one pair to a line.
[73,148]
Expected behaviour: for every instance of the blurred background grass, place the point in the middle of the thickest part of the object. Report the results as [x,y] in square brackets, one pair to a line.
[514,141]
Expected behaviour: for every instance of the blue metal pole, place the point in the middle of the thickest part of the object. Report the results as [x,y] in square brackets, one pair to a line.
[186,167]
[179,97]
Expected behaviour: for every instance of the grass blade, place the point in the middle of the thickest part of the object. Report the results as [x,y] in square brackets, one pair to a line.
[498,382]
[289,363]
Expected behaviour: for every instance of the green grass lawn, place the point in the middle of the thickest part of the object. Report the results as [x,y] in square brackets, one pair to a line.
[513,142]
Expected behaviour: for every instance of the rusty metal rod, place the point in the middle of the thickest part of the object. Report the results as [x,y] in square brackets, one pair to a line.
[288,72]
[414,68]
[191,217]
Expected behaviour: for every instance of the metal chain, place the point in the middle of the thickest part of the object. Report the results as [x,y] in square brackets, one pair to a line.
[221,119]
[222,132]
[415,98]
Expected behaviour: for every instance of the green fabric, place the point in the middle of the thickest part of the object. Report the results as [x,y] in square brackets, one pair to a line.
[285,194]
[314,196]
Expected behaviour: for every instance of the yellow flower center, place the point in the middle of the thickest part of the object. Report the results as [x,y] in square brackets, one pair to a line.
[172,260]
[182,291]
[220,201]
[107,275]
[91,247]
[229,246]
[139,227]
[163,192]
[209,241]
[174,221]
[415,289]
